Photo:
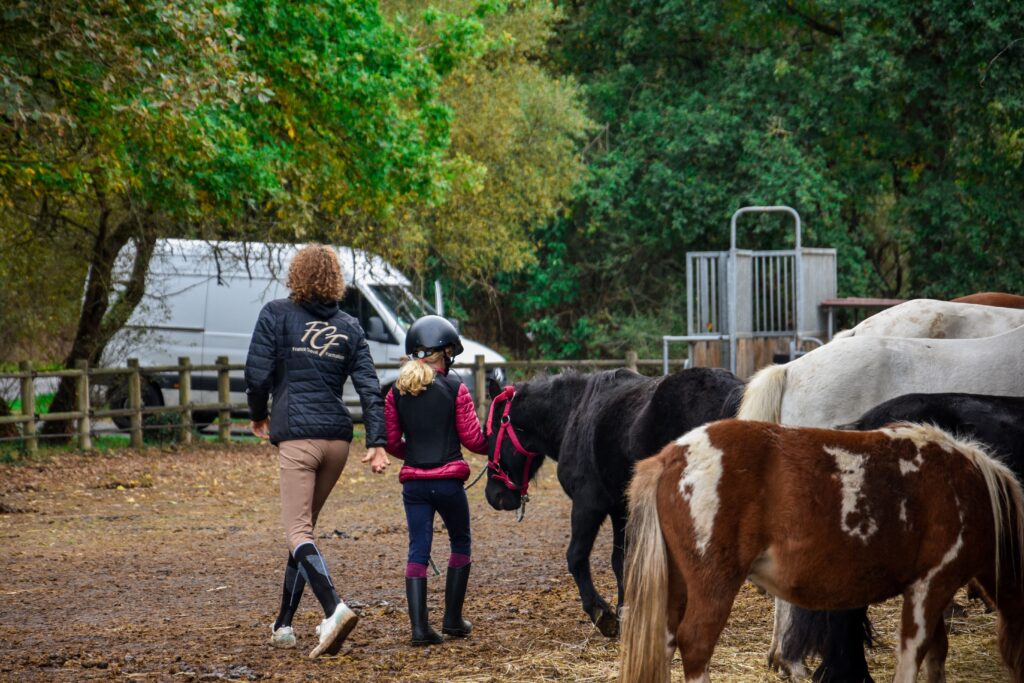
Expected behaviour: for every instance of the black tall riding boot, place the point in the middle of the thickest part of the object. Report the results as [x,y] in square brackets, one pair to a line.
[454,595]
[416,594]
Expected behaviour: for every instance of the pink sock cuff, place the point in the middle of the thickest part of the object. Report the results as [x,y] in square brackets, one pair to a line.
[458,560]
[414,570]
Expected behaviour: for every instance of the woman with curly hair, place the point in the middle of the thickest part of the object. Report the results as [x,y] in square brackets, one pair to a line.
[302,351]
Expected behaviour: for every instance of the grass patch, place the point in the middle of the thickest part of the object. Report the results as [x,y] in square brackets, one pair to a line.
[43,402]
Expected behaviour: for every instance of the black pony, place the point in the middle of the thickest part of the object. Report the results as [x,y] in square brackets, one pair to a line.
[596,426]
[995,421]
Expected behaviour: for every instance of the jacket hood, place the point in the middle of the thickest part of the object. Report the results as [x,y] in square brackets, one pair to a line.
[321,309]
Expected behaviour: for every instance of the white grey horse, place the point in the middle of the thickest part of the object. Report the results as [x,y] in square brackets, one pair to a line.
[837,383]
[933,319]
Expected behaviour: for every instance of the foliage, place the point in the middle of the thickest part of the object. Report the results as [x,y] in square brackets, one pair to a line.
[161,428]
[129,120]
[515,133]
[552,164]
[895,128]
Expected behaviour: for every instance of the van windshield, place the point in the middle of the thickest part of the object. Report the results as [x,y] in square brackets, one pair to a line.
[405,306]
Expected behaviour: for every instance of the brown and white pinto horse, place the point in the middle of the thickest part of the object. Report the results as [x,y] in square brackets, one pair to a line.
[1000,299]
[826,520]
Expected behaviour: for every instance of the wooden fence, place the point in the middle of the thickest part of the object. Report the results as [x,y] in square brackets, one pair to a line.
[132,375]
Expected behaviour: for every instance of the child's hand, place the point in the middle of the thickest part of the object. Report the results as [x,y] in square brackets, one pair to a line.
[378,459]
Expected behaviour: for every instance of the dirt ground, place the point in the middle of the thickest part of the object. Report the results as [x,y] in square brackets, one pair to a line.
[166,566]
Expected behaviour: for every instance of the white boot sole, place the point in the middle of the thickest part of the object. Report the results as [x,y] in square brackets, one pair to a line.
[336,637]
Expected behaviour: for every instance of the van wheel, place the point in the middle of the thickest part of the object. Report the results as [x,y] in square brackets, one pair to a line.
[118,399]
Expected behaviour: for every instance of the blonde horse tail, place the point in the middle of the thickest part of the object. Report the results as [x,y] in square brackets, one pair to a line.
[644,626]
[1007,502]
[762,399]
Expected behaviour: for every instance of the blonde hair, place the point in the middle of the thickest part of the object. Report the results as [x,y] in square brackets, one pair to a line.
[418,373]
[315,274]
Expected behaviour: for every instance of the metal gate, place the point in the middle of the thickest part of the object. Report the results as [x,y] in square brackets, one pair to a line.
[740,293]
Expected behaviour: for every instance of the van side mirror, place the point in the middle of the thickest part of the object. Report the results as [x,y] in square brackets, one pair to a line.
[375,330]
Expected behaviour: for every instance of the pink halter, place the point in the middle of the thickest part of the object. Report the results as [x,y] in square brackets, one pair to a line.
[493,463]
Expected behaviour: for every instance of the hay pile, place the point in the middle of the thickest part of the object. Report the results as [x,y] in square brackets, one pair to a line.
[741,652]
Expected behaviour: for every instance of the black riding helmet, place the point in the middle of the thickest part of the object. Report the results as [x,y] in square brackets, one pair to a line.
[432,333]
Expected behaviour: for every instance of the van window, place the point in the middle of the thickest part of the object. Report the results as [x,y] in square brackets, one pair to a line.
[355,305]
[405,306]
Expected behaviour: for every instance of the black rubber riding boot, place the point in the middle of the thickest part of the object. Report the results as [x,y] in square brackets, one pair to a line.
[416,594]
[454,595]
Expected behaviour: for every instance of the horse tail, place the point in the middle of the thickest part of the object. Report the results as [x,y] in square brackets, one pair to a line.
[762,399]
[1007,502]
[645,622]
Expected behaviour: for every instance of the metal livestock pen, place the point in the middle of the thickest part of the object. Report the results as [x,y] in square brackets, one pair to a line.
[747,305]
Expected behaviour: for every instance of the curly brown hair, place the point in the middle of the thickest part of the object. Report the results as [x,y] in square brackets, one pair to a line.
[315,275]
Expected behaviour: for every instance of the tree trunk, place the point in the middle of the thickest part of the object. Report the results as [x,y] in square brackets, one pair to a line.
[7,430]
[100,318]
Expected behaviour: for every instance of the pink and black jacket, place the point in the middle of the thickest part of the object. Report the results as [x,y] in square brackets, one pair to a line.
[436,424]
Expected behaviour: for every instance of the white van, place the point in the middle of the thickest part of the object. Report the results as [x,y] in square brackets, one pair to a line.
[203,299]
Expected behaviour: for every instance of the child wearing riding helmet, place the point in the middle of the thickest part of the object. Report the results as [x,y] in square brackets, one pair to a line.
[435,414]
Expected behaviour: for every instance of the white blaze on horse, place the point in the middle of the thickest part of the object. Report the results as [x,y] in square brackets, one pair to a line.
[933,319]
[907,510]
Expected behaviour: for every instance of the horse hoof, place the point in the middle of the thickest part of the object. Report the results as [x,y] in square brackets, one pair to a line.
[608,624]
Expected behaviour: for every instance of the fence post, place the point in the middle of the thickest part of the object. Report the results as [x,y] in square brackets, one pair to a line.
[82,404]
[135,402]
[28,405]
[631,361]
[184,399]
[480,382]
[223,397]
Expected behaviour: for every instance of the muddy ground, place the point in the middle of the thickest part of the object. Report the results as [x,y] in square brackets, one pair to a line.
[166,565]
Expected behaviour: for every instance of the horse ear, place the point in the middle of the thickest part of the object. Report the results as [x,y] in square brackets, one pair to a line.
[493,388]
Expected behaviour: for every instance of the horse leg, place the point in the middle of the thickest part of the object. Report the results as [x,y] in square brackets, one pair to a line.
[618,552]
[676,607]
[780,655]
[707,611]
[923,604]
[1009,600]
[935,658]
[842,647]
[586,522]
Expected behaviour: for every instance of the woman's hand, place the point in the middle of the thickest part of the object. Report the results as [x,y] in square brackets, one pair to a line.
[260,428]
[378,459]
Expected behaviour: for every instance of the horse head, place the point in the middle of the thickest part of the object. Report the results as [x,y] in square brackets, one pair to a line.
[515,445]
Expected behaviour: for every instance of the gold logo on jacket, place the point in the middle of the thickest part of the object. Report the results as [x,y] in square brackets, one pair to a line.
[321,336]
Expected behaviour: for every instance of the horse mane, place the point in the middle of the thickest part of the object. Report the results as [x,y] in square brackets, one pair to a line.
[603,391]
[560,390]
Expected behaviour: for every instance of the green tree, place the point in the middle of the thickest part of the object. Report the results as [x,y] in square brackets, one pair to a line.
[128,120]
[894,127]
[516,131]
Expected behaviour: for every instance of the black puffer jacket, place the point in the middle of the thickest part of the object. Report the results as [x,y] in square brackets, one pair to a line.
[302,353]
